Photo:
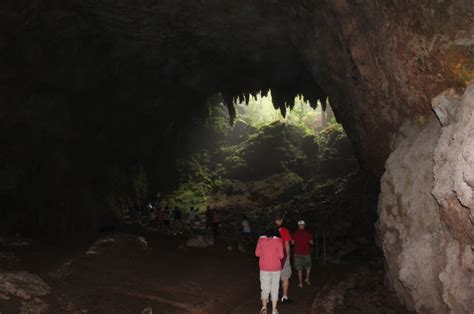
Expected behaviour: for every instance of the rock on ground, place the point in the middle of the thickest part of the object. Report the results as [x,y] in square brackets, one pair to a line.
[115,242]
[14,241]
[200,241]
[426,209]
[28,288]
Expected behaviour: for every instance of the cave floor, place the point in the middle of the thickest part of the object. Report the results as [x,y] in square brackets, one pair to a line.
[168,278]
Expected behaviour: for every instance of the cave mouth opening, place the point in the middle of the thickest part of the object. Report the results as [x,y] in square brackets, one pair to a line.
[100,99]
[301,164]
[259,110]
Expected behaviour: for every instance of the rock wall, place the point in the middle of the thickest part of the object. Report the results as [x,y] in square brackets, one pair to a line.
[426,209]
[381,62]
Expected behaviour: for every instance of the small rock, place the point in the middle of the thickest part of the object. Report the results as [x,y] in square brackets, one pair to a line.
[14,241]
[147,310]
[143,241]
[200,241]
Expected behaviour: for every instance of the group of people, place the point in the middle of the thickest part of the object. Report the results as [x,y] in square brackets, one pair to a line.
[213,220]
[164,216]
[274,251]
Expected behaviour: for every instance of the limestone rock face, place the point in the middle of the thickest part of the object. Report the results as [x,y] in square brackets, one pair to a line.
[426,211]
[382,61]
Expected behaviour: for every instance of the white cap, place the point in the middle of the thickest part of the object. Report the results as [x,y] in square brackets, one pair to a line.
[301,222]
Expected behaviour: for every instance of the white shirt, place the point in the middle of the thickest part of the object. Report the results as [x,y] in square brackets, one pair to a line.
[246,226]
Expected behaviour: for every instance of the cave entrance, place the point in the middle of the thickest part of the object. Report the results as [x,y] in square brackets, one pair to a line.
[301,164]
[259,110]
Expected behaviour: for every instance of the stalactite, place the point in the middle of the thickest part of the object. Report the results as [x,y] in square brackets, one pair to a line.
[323,104]
[265,91]
[232,112]
[278,99]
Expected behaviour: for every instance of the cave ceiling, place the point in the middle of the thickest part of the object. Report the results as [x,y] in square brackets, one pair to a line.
[379,62]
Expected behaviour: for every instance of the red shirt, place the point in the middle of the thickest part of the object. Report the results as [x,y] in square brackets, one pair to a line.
[285,237]
[270,252]
[215,218]
[302,239]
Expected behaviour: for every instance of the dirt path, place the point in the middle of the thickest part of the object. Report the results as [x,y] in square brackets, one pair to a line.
[303,298]
[166,277]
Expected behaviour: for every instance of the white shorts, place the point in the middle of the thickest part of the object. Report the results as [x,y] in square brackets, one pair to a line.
[270,284]
[286,271]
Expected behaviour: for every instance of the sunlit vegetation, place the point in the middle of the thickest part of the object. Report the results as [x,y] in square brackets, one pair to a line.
[259,110]
[306,144]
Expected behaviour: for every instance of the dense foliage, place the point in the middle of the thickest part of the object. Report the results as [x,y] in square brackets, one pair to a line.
[250,153]
[255,168]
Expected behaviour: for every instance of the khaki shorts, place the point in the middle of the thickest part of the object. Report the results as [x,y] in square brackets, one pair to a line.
[270,284]
[286,271]
[302,261]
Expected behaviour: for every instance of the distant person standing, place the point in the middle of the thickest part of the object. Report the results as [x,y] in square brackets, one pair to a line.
[208,217]
[146,214]
[150,207]
[152,210]
[286,266]
[270,252]
[176,214]
[160,217]
[246,231]
[215,223]
[166,216]
[192,215]
[303,239]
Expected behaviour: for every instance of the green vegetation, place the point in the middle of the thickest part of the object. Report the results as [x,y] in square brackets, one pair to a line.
[260,145]
[258,111]
[197,182]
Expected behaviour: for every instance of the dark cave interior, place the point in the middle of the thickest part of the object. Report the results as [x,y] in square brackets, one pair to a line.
[97,95]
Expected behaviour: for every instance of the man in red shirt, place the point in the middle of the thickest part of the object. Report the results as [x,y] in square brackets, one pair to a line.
[286,266]
[302,240]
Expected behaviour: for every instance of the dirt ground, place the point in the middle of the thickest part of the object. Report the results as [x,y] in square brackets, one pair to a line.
[166,277]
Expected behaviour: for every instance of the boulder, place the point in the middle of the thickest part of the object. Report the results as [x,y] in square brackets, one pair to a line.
[200,241]
[426,210]
[26,287]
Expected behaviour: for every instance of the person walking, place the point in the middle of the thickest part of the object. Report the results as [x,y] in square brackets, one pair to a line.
[215,223]
[160,217]
[302,240]
[269,250]
[166,216]
[177,214]
[208,217]
[192,214]
[246,235]
[246,231]
[286,266]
